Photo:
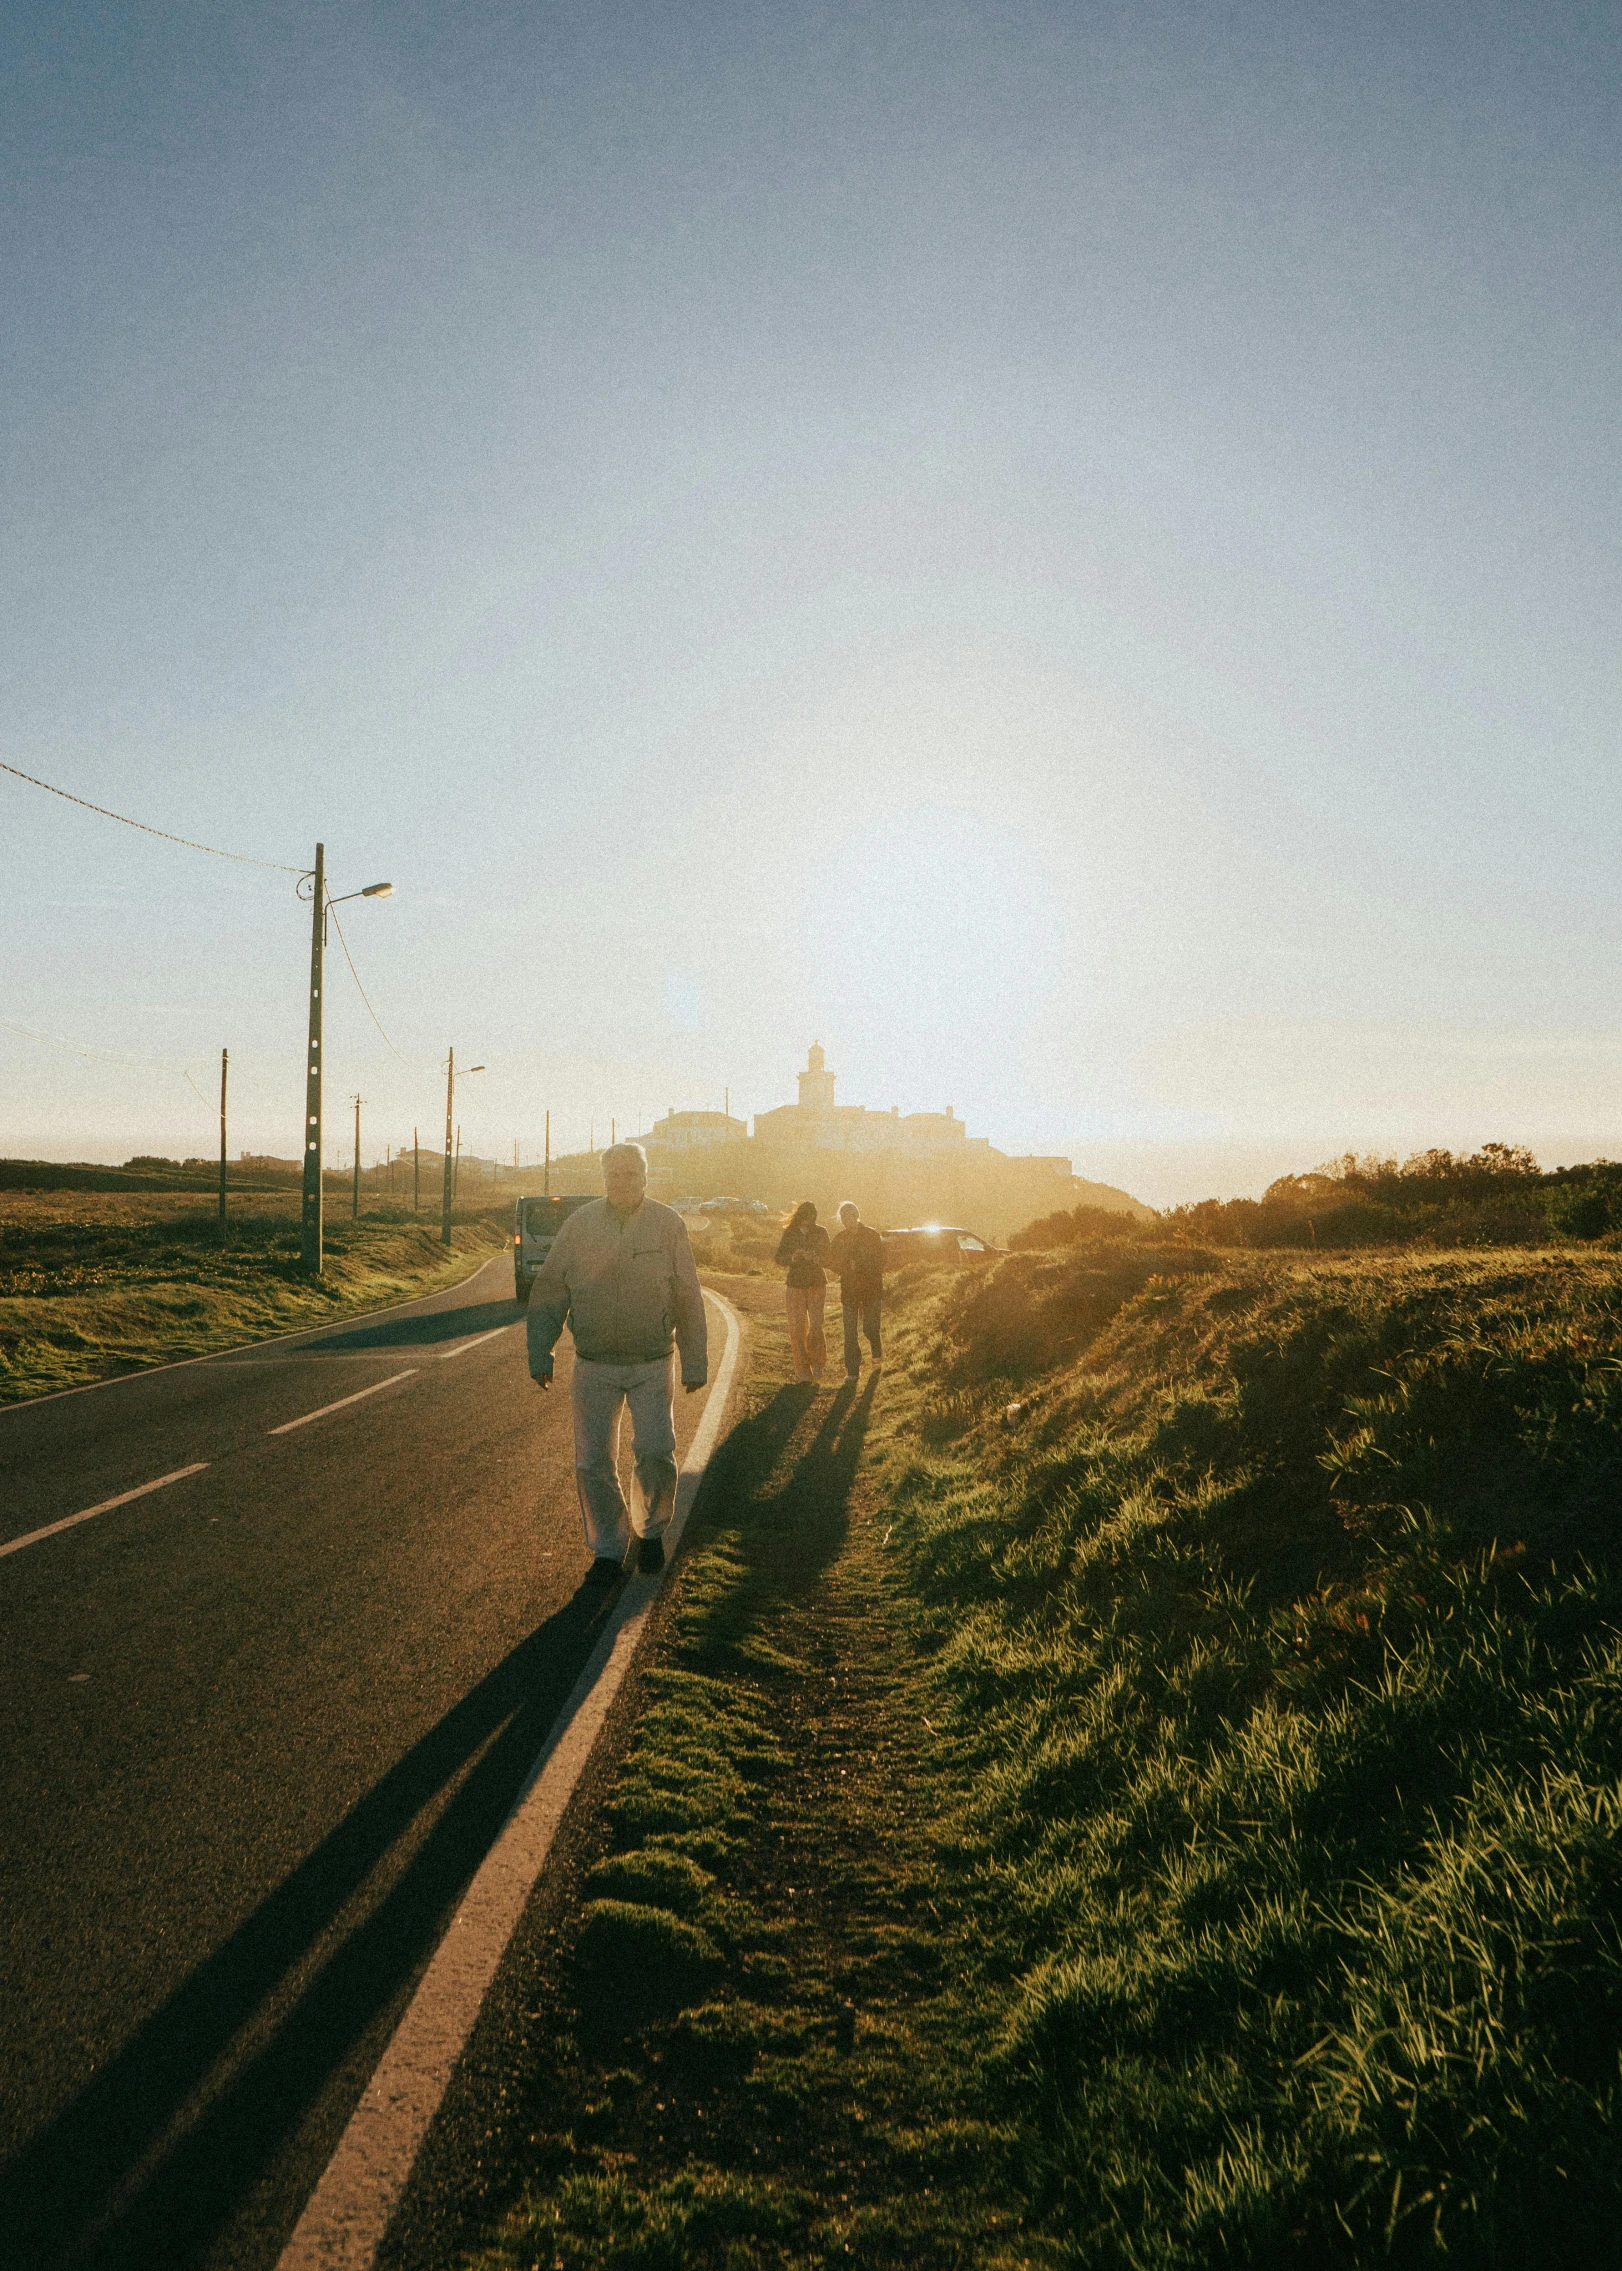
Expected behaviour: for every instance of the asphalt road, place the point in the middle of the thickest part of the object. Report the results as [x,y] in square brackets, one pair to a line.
[257,1728]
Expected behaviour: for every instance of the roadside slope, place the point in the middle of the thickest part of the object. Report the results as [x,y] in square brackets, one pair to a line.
[1140,1787]
[96,1285]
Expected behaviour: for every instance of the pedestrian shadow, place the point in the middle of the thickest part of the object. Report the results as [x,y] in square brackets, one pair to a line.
[782,1518]
[422,1331]
[131,2173]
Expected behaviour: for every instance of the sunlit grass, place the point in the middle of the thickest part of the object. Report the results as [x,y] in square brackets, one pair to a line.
[1279,1632]
[97,1283]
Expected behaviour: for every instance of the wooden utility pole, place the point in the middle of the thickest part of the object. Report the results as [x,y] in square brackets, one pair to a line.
[354,1210]
[224,1062]
[310,1219]
[547,1185]
[450,1105]
[416,1171]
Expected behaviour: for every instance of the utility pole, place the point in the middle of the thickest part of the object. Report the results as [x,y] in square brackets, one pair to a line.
[416,1171]
[612,1137]
[547,1185]
[591,1139]
[224,1062]
[450,1104]
[354,1210]
[310,1221]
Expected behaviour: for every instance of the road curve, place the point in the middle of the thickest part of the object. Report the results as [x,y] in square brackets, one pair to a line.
[281,1632]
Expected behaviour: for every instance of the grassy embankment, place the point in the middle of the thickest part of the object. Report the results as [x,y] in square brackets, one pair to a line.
[1172,1823]
[94,1283]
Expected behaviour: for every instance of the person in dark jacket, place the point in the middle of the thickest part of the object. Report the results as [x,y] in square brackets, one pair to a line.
[803,1249]
[857,1252]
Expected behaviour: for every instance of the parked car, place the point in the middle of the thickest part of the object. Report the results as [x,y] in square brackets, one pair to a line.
[733,1206]
[536,1223]
[934,1242]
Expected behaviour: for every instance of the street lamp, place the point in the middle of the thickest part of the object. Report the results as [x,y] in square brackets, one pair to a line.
[450,1110]
[310,1221]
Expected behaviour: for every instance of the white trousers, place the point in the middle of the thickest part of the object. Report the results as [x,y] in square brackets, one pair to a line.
[599,1393]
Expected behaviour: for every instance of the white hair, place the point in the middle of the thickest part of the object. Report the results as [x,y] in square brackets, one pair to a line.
[626,1151]
[854,1208]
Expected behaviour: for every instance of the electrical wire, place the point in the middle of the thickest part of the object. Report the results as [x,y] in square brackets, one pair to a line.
[98,1056]
[108,1057]
[242,858]
[355,974]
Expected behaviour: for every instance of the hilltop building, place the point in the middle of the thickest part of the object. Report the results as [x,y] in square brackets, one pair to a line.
[694,1131]
[817,1123]
[898,1167]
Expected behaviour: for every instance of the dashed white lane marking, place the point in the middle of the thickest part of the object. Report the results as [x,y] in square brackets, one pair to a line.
[348,2213]
[305,1418]
[478,1341]
[51,1529]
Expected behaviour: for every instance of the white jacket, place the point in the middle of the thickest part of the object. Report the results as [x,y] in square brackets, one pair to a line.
[625,1289]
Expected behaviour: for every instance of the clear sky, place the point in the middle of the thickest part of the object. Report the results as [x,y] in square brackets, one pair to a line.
[1068,552]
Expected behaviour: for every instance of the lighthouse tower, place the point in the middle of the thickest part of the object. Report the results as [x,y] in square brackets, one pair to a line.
[817,1082]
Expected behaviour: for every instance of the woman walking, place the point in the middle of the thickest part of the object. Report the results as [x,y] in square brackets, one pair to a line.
[804,1247]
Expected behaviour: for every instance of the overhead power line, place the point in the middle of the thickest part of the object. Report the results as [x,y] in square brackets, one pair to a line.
[242,859]
[100,1056]
[332,916]
[107,1057]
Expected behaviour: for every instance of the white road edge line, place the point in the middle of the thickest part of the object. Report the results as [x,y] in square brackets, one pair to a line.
[304,1420]
[348,2213]
[51,1529]
[478,1341]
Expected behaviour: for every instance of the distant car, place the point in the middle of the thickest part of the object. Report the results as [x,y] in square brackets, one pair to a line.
[732,1206]
[934,1242]
[536,1223]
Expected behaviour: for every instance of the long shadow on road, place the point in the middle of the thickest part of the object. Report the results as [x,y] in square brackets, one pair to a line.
[423,1331]
[132,2173]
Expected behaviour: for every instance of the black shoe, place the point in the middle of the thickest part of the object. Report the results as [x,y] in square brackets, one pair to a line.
[603,1571]
[650,1555]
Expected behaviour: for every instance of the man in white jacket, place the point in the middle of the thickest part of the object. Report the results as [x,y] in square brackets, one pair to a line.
[621,1274]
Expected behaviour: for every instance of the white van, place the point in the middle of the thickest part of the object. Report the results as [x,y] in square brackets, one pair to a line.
[535,1224]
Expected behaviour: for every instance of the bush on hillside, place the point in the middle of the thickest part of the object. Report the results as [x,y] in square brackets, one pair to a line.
[1497,1196]
[1582,1209]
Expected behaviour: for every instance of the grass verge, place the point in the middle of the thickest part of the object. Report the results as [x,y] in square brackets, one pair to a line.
[761,2025]
[97,1284]
[1140,1788]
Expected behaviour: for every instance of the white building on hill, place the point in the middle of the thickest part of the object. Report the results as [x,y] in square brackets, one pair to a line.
[694,1131]
[817,1123]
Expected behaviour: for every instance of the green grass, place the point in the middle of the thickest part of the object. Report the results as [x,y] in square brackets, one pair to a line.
[1173,1736]
[759,2033]
[1279,1634]
[96,1284]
